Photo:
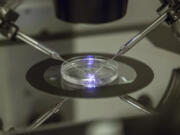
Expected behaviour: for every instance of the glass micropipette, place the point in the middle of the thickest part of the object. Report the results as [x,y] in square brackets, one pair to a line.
[131,43]
[30,41]
[46,50]
[48,114]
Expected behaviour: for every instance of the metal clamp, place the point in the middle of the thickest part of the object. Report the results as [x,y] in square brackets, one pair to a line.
[7,26]
[174,10]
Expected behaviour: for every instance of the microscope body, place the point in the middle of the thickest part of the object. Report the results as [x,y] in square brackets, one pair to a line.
[91,11]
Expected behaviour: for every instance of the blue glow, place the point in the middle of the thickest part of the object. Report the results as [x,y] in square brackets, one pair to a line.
[91,77]
[90,81]
[89,60]
[89,56]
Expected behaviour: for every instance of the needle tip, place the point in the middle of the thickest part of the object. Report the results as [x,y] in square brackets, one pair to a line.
[57,57]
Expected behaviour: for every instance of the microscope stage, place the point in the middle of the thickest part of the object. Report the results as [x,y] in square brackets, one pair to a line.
[133,75]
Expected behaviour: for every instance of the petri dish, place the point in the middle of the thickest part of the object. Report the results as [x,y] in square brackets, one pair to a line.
[84,71]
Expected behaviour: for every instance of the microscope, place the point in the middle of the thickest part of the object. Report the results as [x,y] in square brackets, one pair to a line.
[91,12]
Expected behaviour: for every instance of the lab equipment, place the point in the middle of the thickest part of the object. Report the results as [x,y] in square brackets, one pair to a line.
[89,64]
[165,122]
[169,12]
[48,114]
[91,11]
[46,50]
[167,116]
[131,43]
[45,76]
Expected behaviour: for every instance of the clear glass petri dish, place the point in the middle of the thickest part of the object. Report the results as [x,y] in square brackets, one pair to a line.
[84,71]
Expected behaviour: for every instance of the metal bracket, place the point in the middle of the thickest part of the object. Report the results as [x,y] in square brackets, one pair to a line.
[7,26]
[174,10]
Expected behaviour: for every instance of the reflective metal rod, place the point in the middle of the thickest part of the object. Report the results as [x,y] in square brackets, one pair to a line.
[47,115]
[123,49]
[131,43]
[30,41]
[130,100]
[46,50]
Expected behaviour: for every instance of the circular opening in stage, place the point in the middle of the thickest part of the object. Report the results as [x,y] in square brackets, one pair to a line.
[90,71]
